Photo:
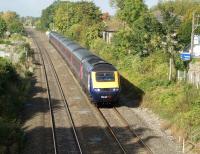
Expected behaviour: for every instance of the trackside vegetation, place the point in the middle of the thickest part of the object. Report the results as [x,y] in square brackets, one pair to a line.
[141,50]
[14,81]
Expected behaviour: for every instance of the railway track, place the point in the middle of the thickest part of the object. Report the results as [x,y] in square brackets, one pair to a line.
[69,113]
[139,144]
[113,133]
[49,103]
[57,150]
[140,141]
[98,130]
[87,144]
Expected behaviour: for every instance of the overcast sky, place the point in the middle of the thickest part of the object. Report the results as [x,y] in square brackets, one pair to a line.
[34,7]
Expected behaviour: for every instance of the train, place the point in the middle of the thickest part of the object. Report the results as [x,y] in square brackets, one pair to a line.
[98,78]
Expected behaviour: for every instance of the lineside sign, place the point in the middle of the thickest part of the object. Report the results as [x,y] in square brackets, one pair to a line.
[185,56]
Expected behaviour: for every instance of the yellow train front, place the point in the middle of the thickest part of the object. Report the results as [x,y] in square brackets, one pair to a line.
[104,83]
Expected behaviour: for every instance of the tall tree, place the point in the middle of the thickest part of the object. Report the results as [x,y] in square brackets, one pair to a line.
[171,22]
[130,10]
[185,29]
[79,20]
[47,16]
[9,16]
[16,27]
[140,34]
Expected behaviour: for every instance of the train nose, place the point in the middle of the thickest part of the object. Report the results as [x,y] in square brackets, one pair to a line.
[105,94]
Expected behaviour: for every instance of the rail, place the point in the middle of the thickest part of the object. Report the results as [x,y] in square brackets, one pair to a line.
[132,131]
[64,99]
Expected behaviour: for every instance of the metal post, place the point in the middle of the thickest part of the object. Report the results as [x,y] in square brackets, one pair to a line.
[195,25]
[170,64]
[183,149]
[179,78]
[67,15]
[170,69]
[185,76]
[26,53]
[192,34]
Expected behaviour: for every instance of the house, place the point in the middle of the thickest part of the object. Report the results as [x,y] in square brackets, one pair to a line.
[112,26]
[108,34]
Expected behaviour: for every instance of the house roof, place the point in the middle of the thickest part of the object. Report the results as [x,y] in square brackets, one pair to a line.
[113,25]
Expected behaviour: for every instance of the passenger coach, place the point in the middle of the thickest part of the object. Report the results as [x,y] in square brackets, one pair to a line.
[97,76]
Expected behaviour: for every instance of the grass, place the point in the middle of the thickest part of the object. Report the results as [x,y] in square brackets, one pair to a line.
[7,42]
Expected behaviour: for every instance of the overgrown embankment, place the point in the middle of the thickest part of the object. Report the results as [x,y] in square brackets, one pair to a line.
[15,73]
[178,102]
[14,88]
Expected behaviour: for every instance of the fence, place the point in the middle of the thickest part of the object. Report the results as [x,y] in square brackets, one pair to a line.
[192,77]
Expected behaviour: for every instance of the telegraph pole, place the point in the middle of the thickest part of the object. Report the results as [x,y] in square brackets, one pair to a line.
[195,25]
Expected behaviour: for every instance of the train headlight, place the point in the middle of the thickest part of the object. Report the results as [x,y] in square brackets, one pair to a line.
[115,89]
[97,89]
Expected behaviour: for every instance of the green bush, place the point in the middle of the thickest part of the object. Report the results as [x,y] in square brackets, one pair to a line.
[176,101]
[7,42]
[16,27]
[13,91]
[11,137]
[3,27]
[17,37]
[9,88]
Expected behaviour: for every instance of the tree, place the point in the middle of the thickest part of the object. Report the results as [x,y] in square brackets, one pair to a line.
[171,22]
[130,10]
[47,16]
[15,27]
[9,16]
[141,32]
[185,29]
[3,27]
[9,88]
[81,21]
[62,19]
[183,10]
[70,13]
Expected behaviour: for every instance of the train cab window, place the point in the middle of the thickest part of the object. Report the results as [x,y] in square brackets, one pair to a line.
[105,76]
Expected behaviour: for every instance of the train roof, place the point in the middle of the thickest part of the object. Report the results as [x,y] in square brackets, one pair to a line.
[66,43]
[82,53]
[58,36]
[104,67]
[73,46]
[94,63]
[88,58]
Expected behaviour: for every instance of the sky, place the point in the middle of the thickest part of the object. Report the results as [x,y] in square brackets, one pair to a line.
[34,7]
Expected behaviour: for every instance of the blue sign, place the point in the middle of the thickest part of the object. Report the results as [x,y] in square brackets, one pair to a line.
[185,56]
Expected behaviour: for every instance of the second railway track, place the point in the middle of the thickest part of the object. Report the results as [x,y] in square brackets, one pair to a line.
[58,139]
[125,134]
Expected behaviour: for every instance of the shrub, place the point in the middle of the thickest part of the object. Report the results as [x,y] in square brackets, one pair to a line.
[3,27]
